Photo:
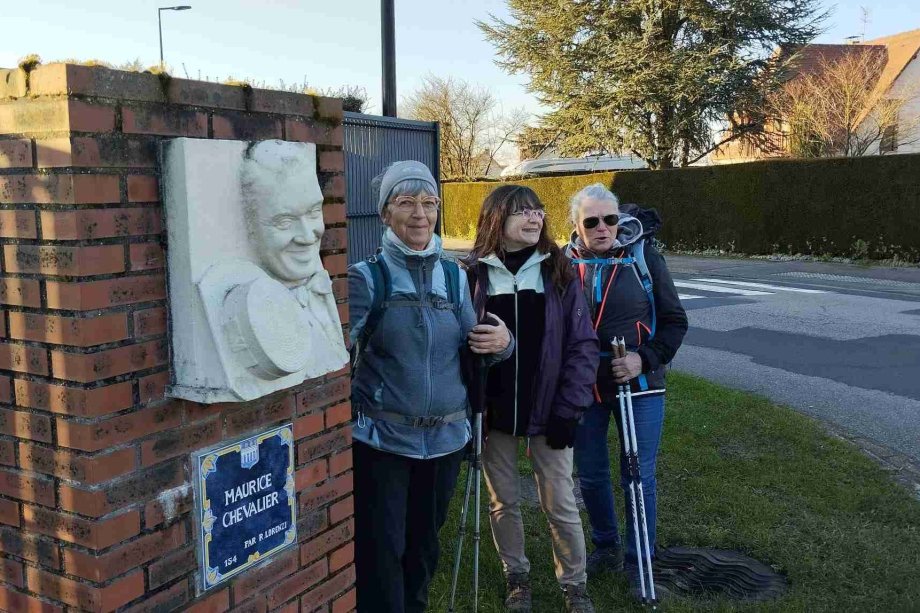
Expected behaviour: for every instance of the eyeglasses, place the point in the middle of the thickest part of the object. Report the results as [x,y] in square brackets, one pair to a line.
[592,222]
[408,204]
[531,214]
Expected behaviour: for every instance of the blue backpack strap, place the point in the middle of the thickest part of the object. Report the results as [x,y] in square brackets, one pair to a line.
[452,280]
[645,278]
[380,275]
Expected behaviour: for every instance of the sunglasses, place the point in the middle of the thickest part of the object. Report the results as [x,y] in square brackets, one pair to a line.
[592,222]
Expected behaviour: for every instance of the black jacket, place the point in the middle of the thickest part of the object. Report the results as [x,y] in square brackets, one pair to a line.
[628,312]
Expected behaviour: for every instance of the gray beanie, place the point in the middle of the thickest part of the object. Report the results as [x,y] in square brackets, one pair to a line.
[403,171]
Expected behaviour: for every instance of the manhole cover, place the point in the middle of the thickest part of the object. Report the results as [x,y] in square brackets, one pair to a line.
[848,279]
[697,571]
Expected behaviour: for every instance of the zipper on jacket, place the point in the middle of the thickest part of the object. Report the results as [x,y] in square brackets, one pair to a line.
[423,293]
[517,332]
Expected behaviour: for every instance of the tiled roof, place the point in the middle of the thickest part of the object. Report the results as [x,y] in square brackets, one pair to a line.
[902,48]
[898,50]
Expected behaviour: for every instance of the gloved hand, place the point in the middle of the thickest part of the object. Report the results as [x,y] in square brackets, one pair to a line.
[560,432]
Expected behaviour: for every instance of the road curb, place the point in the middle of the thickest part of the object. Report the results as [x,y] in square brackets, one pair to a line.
[904,469]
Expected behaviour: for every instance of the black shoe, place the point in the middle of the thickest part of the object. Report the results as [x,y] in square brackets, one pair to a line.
[635,588]
[519,597]
[605,559]
[577,600]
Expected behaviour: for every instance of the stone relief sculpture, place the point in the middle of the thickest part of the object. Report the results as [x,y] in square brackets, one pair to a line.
[246,255]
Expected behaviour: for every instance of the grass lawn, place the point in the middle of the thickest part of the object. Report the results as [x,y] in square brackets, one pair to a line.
[739,472]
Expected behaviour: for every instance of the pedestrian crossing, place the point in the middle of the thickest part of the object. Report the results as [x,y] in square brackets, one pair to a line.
[730,287]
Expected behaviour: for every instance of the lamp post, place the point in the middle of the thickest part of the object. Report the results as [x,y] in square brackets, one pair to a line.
[388,42]
[160,23]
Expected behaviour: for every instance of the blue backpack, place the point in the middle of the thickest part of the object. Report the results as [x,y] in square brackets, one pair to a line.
[635,259]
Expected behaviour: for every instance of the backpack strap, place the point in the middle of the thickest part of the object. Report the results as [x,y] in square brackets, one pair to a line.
[645,279]
[383,288]
[452,280]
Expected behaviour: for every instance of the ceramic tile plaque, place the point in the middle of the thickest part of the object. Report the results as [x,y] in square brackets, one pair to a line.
[245,504]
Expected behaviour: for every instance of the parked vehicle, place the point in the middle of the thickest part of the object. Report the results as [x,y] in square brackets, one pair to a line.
[591,163]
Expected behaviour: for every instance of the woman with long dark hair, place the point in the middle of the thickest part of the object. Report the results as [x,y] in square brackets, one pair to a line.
[518,273]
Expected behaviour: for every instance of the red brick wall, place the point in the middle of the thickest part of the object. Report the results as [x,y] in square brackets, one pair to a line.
[95,497]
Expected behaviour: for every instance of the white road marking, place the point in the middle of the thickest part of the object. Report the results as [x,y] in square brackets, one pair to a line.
[777,288]
[688,296]
[720,290]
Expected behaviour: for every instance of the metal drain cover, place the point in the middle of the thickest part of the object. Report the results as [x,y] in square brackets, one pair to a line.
[695,571]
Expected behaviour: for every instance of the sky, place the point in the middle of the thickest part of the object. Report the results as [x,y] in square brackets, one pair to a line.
[327,43]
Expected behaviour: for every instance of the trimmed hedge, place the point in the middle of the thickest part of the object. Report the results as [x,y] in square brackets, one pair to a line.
[863,207]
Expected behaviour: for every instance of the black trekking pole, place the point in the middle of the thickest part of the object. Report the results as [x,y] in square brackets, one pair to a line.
[637,496]
[478,405]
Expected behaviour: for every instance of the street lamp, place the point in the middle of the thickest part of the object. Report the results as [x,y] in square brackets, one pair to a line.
[160,23]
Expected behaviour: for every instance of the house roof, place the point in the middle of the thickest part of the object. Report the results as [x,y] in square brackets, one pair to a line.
[809,59]
[902,48]
[897,50]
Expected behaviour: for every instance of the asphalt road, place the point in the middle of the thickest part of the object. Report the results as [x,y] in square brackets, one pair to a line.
[838,342]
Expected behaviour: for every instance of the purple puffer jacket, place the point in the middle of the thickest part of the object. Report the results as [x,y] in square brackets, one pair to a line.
[570,351]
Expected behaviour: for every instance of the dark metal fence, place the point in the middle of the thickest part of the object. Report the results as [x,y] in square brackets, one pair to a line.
[372,143]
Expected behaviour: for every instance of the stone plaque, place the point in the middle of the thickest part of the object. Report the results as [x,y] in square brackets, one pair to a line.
[253,311]
[244,502]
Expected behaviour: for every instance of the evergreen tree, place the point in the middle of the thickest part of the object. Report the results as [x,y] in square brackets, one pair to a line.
[666,80]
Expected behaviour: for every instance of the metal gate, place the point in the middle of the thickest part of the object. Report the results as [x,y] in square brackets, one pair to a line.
[371,144]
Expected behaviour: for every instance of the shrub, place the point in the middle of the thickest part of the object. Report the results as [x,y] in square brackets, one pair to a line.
[866,207]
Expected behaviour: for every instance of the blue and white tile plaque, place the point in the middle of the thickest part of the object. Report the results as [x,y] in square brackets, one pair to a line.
[244,499]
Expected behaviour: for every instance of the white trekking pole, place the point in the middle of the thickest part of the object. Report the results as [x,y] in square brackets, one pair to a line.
[637,496]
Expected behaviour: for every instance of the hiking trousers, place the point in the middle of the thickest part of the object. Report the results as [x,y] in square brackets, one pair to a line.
[555,488]
[400,505]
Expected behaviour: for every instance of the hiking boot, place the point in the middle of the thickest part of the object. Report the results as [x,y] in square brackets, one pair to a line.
[519,598]
[605,559]
[577,600]
[635,588]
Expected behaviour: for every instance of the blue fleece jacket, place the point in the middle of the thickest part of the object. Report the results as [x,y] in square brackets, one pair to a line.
[411,364]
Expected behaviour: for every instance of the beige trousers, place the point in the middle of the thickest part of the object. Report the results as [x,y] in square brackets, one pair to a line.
[555,487]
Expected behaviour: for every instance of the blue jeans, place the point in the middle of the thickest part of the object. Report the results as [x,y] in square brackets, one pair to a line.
[593,460]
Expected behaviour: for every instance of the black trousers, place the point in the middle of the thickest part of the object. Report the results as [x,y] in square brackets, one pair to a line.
[400,505]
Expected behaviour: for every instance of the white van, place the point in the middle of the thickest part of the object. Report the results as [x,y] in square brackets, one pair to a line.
[590,163]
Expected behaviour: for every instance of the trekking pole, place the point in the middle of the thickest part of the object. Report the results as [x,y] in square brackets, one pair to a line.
[477,459]
[460,535]
[635,481]
[474,472]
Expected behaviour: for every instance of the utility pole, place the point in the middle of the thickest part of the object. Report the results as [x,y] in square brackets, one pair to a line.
[388,43]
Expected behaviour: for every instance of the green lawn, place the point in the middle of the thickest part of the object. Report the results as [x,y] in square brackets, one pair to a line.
[739,472]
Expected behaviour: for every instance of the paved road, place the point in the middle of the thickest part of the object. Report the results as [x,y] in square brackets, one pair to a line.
[837,342]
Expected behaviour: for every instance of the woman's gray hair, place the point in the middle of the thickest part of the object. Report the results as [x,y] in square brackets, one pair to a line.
[595,191]
[409,187]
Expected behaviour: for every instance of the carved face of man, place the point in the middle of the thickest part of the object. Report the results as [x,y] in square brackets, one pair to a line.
[286,221]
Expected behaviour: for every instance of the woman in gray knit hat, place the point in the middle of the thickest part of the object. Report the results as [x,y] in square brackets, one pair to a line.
[411,317]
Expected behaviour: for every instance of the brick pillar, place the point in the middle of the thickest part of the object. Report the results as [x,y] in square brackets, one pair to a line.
[95,497]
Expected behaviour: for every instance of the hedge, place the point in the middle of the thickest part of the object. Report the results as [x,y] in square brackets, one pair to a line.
[866,206]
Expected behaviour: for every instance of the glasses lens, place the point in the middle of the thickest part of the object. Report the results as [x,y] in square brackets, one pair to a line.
[590,222]
[533,214]
[611,220]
